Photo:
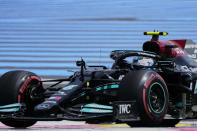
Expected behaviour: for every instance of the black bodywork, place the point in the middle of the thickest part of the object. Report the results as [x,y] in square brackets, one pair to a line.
[93,94]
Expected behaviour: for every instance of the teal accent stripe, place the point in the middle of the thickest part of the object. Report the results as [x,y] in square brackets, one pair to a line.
[115,86]
[80,95]
[98,106]
[11,105]
[107,87]
[195,90]
[98,89]
[90,110]
[10,110]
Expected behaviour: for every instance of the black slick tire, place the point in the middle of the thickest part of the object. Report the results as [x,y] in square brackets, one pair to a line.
[149,91]
[20,87]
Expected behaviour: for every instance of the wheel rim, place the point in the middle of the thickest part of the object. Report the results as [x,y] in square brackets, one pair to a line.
[29,96]
[157,98]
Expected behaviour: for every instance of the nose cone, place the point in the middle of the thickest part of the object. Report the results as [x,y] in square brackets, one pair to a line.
[45,107]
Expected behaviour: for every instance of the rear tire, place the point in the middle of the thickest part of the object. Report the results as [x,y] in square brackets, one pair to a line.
[149,91]
[21,87]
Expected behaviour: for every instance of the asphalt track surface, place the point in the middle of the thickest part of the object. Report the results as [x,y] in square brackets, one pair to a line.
[189,125]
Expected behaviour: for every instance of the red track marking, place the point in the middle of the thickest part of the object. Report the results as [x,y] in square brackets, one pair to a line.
[187,129]
[66,126]
[5,127]
[58,126]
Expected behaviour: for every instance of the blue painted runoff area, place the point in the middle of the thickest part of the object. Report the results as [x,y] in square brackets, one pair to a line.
[47,37]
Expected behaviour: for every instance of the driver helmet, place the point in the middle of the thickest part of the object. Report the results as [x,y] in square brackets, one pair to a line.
[144,61]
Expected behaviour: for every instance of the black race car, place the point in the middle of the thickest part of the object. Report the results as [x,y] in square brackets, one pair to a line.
[153,87]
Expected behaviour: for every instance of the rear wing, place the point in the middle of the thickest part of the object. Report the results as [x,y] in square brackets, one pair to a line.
[170,48]
[155,35]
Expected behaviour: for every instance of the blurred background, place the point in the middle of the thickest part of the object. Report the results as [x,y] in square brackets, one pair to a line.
[48,36]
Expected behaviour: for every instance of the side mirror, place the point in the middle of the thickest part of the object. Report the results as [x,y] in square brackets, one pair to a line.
[80,63]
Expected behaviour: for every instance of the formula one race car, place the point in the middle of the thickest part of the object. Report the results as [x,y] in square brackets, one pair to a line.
[153,87]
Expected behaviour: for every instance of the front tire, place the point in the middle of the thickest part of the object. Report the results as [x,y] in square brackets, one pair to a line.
[21,87]
[19,123]
[149,91]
